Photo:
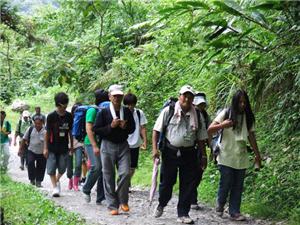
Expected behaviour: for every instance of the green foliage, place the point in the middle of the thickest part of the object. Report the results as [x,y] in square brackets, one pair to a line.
[22,204]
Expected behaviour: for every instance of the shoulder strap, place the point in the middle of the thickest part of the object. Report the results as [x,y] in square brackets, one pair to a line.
[29,134]
[198,118]
[169,116]
[139,115]
[227,116]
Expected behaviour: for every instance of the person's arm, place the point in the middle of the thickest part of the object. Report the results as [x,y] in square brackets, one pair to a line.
[91,136]
[144,137]
[16,134]
[215,126]
[155,152]
[46,151]
[253,143]
[100,127]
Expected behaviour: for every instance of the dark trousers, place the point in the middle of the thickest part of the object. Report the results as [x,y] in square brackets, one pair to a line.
[231,182]
[23,157]
[36,166]
[171,164]
[198,178]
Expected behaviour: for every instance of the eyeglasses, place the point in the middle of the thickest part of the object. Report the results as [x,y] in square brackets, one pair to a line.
[63,105]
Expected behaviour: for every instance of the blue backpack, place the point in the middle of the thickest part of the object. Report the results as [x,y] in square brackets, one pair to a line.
[78,130]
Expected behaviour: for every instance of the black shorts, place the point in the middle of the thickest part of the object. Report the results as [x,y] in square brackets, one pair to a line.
[134,156]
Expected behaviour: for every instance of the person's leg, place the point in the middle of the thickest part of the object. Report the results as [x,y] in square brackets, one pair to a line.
[168,176]
[123,173]
[100,185]
[94,172]
[70,171]
[236,191]
[62,165]
[40,168]
[31,167]
[187,181]
[198,178]
[109,154]
[134,156]
[22,158]
[51,168]
[225,184]
[77,173]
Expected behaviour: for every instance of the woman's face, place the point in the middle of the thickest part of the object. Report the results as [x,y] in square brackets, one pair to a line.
[242,104]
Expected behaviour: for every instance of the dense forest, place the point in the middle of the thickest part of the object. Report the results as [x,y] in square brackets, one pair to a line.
[153,47]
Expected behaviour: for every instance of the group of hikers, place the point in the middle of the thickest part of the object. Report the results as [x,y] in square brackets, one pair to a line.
[114,130]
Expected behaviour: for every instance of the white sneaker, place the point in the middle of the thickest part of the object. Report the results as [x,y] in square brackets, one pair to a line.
[185,220]
[58,186]
[55,192]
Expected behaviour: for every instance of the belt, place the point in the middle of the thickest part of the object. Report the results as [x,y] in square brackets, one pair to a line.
[172,147]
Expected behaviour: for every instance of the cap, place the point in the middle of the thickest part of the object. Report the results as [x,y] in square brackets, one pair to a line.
[26,113]
[186,88]
[115,89]
[198,100]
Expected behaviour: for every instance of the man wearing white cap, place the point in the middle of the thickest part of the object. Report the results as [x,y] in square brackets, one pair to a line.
[183,137]
[113,125]
[22,126]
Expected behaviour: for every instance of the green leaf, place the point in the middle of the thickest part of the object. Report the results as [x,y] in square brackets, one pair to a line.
[209,23]
[229,7]
[269,5]
[194,4]
[259,17]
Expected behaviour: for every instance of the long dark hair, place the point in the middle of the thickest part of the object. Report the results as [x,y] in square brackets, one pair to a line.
[234,109]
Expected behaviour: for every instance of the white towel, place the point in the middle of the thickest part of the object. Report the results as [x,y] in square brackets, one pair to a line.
[113,112]
[193,115]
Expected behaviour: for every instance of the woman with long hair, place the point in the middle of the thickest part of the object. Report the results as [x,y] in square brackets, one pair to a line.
[237,125]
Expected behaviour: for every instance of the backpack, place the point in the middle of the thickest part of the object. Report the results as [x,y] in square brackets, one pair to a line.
[78,129]
[171,104]
[217,138]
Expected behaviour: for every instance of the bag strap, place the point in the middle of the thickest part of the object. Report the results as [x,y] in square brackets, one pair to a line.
[227,116]
[29,134]
[139,115]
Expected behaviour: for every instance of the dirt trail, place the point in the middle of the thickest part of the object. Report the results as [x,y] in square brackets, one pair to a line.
[140,211]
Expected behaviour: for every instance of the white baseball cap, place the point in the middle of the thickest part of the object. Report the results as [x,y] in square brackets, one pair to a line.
[26,113]
[116,89]
[198,100]
[185,89]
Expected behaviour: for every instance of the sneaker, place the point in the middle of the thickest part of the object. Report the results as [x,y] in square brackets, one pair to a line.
[195,207]
[219,211]
[185,220]
[38,184]
[87,197]
[158,211]
[237,217]
[55,192]
[114,212]
[125,207]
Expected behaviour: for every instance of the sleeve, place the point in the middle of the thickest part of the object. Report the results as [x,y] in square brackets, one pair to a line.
[144,120]
[158,126]
[49,123]
[91,115]
[220,117]
[100,128]
[26,134]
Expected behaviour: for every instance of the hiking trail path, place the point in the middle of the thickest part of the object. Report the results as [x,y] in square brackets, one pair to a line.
[141,213]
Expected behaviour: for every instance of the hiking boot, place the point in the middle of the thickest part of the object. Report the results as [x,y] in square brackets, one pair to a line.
[70,186]
[22,167]
[75,183]
[114,212]
[185,220]
[87,197]
[125,207]
[237,217]
[219,210]
[32,182]
[38,184]
[82,181]
[55,192]
[158,211]
[195,207]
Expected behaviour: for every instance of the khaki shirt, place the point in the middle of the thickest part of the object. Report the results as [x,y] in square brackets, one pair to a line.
[36,144]
[233,146]
[180,134]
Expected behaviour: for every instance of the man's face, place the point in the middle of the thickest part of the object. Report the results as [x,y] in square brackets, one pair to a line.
[37,110]
[38,124]
[62,107]
[116,99]
[242,104]
[131,106]
[25,118]
[186,100]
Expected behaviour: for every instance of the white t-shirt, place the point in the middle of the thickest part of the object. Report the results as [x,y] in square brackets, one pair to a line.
[134,139]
